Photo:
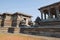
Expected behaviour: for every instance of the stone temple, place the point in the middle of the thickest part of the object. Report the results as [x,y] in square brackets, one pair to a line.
[49,23]
[12,22]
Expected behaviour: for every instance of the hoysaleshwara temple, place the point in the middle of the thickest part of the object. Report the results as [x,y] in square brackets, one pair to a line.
[12,22]
[49,23]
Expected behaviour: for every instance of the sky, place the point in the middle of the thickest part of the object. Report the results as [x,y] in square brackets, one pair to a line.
[29,7]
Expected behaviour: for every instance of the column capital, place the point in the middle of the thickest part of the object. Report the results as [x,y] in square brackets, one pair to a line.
[41,11]
[56,6]
[48,8]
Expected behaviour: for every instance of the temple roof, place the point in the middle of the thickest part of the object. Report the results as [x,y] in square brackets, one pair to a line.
[23,14]
[49,5]
[19,13]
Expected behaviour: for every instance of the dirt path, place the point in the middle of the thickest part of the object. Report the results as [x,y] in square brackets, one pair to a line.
[24,37]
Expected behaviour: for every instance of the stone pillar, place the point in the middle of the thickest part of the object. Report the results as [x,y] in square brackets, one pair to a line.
[49,15]
[27,21]
[3,20]
[18,21]
[57,11]
[0,20]
[45,16]
[41,15]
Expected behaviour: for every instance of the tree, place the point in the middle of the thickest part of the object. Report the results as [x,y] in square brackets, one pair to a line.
[37,21]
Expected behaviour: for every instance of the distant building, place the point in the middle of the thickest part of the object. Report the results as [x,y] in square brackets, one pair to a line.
[14,20]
